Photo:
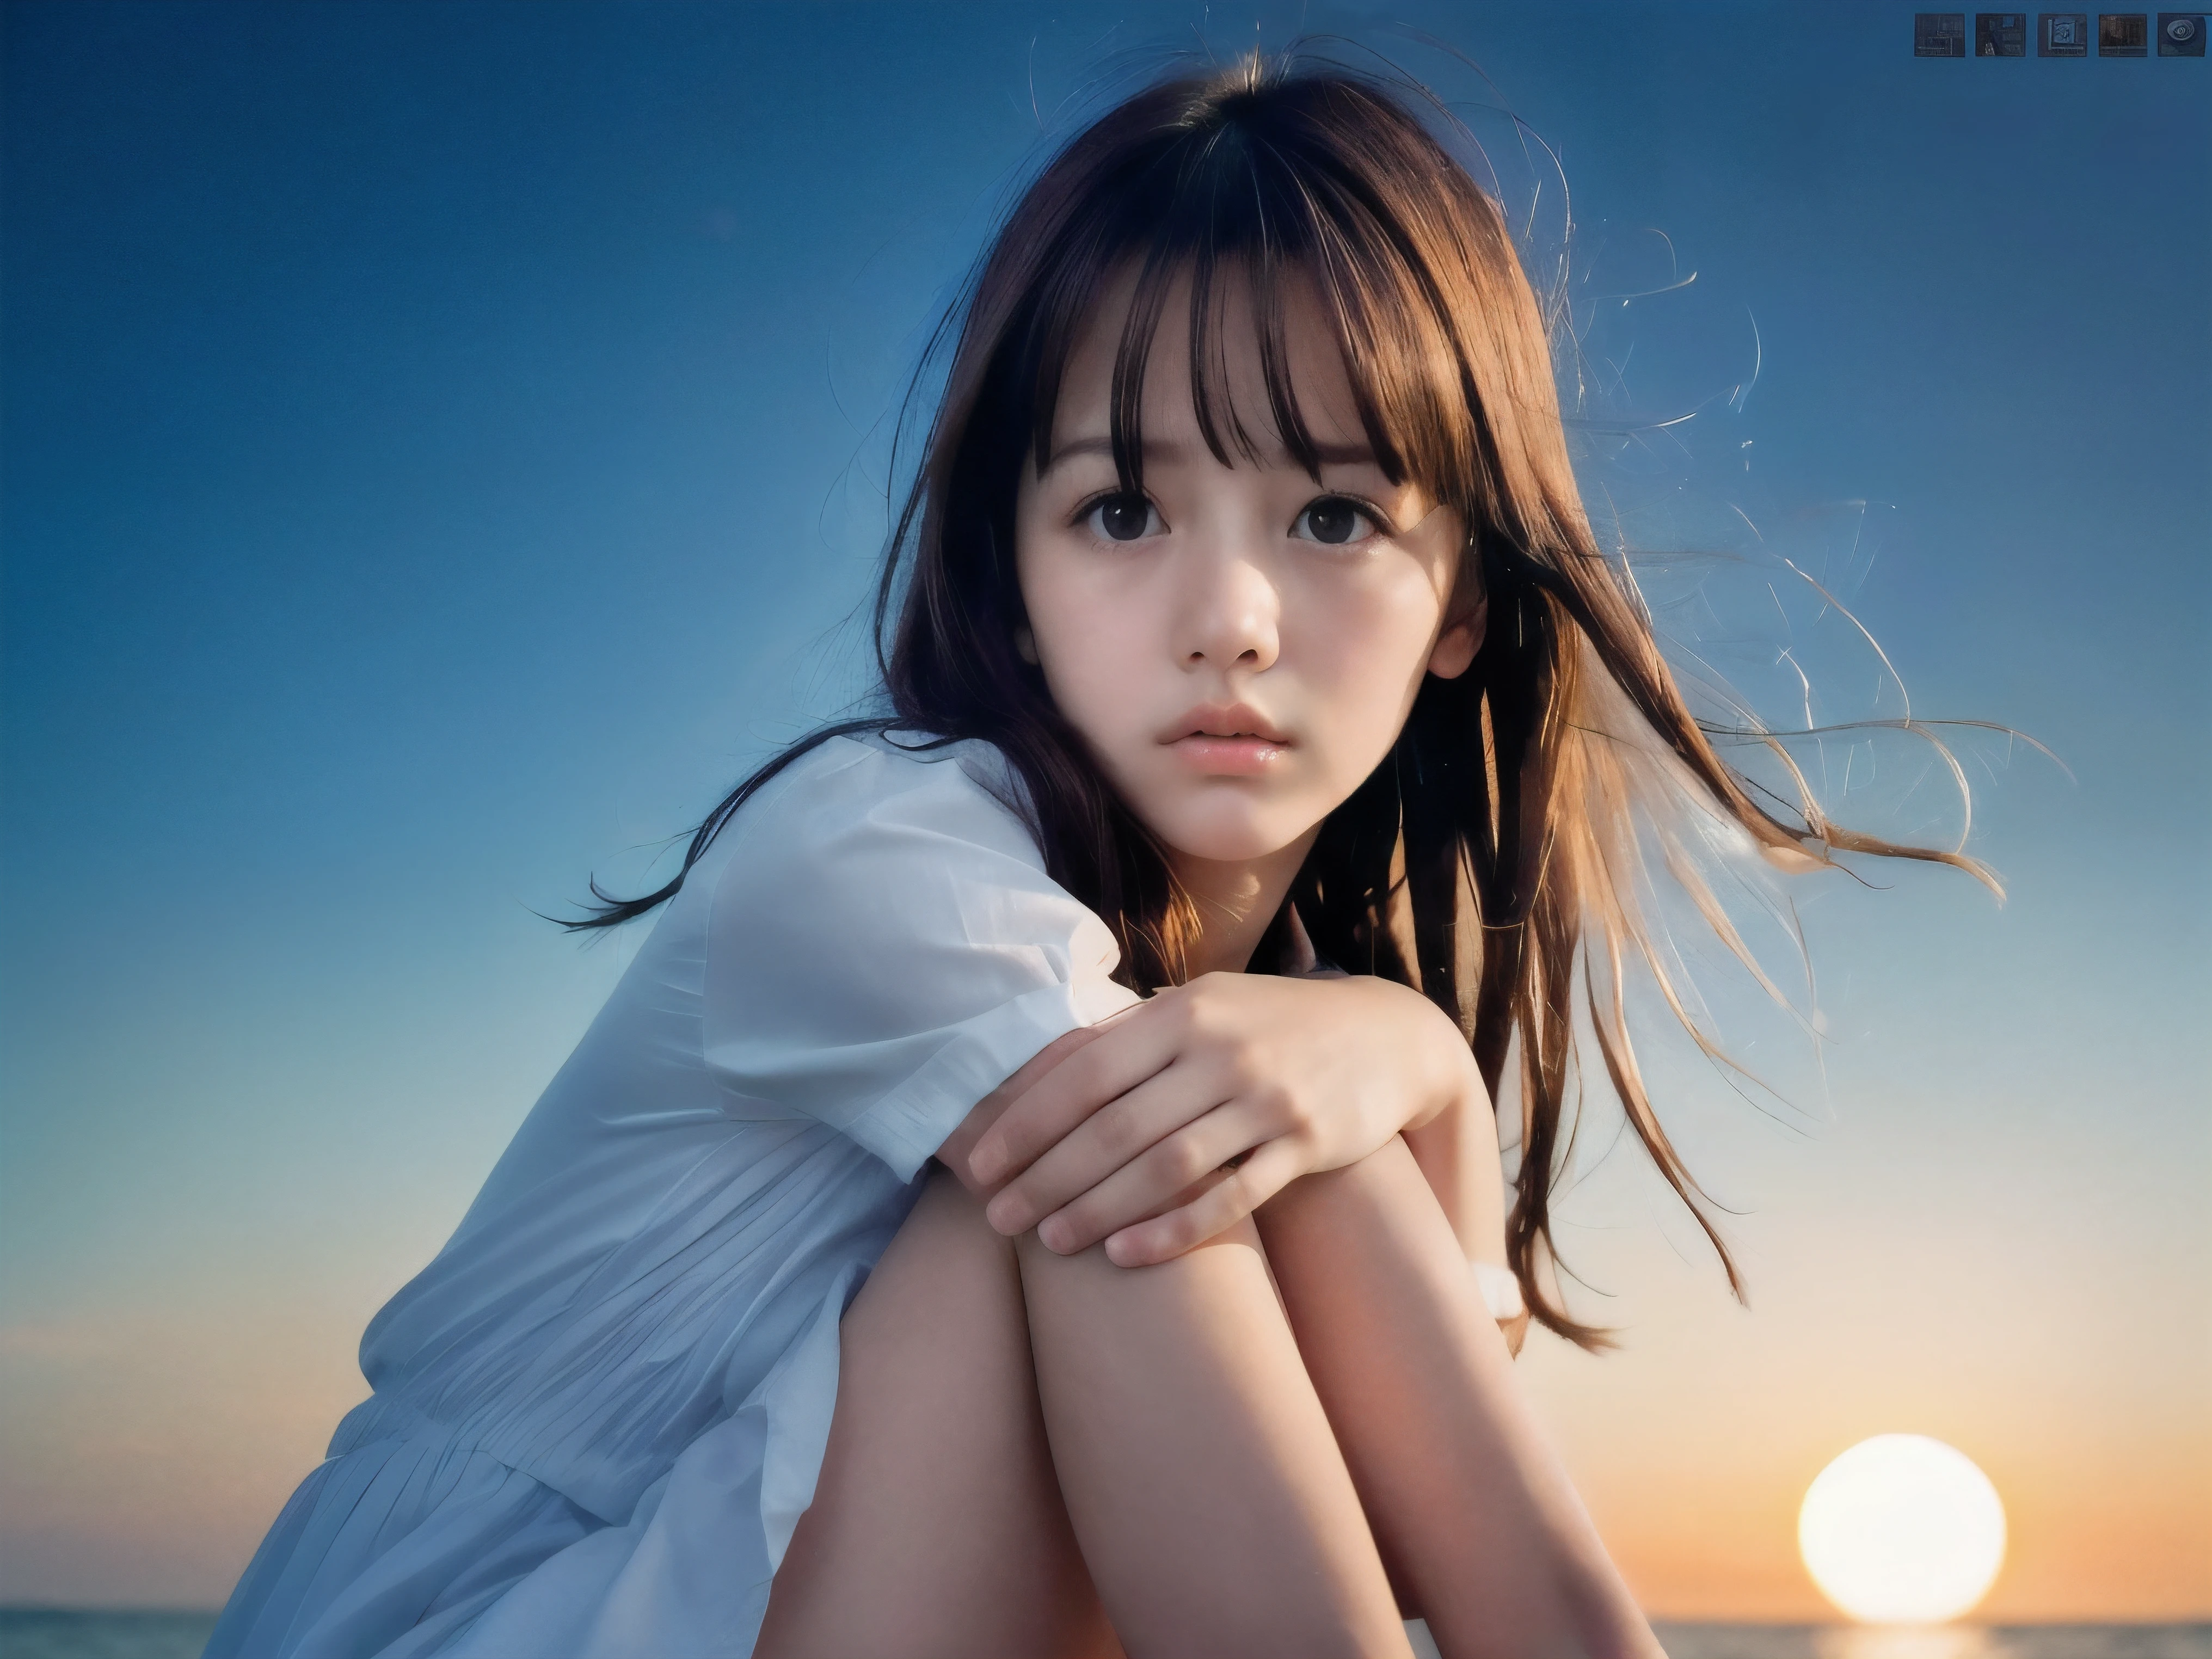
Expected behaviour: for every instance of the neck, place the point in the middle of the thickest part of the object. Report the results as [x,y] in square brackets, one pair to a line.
[1237,899]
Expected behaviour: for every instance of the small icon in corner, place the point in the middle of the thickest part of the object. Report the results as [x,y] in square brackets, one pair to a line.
[2062,34]
[2000,34]
[1939,34]
[2180,34]
[2122,33]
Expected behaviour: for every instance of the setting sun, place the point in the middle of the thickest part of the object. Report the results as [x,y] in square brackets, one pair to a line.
[1902,1529]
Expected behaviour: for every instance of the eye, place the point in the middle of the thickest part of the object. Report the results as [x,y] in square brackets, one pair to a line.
[1334,521]
[1123,517]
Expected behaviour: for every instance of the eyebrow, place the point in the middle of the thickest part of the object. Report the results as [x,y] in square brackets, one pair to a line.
[1170,454]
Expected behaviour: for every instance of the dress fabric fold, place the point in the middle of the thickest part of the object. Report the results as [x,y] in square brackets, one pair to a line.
[599,1411]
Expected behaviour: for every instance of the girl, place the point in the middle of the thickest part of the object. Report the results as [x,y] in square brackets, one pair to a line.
[1123,1009]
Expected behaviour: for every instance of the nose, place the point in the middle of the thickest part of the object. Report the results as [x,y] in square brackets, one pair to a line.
[1230,610]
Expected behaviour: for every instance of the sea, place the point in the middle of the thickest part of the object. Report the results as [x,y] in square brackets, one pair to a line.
[84,1633]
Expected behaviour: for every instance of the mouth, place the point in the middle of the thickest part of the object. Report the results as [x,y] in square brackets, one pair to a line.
[1232,740]
[1232,723]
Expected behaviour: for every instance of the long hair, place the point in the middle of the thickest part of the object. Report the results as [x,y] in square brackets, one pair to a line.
[1492,861]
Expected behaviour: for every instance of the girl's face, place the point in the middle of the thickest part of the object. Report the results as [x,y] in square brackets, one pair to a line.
[1239,645]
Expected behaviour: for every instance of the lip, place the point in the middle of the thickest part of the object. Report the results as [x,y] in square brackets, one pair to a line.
[1233,722]
[1226,740]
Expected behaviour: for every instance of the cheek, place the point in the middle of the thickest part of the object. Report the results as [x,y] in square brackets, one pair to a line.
[1088,655]
[1089,636]
[1364,647]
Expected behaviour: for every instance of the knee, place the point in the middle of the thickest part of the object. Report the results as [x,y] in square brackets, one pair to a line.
[1387,1174]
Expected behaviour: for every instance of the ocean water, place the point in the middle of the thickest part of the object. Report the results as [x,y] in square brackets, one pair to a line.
[81,1633]
[1936,1642]
[76,1633]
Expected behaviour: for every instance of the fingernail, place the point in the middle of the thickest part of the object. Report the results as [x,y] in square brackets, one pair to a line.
[984,1163]
[1001,1215]
[1052,1233]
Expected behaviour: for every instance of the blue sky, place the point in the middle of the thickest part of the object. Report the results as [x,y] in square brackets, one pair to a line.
[436,457]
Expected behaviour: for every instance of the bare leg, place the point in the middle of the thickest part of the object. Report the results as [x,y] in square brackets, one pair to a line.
[1215,1509]
[937,1530]
[1472,1509]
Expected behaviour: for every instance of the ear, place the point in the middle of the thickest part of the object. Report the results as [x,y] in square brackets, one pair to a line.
[1456,646]
[1025,644]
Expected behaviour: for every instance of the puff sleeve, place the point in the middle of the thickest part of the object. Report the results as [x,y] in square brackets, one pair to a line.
[884,947]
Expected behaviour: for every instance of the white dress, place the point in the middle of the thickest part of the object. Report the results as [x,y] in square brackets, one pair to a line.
[601,1411]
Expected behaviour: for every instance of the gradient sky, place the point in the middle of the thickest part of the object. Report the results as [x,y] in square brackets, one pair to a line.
[438,447]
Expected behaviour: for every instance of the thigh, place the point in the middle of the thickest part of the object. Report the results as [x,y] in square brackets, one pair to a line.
[937,1527]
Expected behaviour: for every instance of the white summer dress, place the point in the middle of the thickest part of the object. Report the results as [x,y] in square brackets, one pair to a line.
[599,1411]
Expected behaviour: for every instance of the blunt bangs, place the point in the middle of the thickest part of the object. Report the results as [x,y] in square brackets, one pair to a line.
[1246,196]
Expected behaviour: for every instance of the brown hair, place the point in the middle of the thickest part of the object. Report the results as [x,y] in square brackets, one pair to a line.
[1492,859]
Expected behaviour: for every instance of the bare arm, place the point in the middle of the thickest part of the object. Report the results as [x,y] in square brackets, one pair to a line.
[1273,1077]
[1428,1083]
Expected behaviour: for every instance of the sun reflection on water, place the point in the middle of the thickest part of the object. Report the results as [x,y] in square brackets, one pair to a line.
[1961,1641]
[1907,1641]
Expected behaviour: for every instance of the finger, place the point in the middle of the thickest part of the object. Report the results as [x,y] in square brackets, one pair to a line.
[954,1153]
[1034,1070]
[1119,1131]
[1121,1058]
[1219,1207]
[1153,1183]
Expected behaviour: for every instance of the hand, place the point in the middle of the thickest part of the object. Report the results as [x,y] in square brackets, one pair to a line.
[1125,1139]
[963,1141]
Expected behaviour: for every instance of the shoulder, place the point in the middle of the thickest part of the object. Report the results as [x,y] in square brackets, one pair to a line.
[874,795]
[878,863]
[883,945]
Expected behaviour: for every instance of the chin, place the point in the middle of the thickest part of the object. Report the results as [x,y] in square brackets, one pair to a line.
[1225,837]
